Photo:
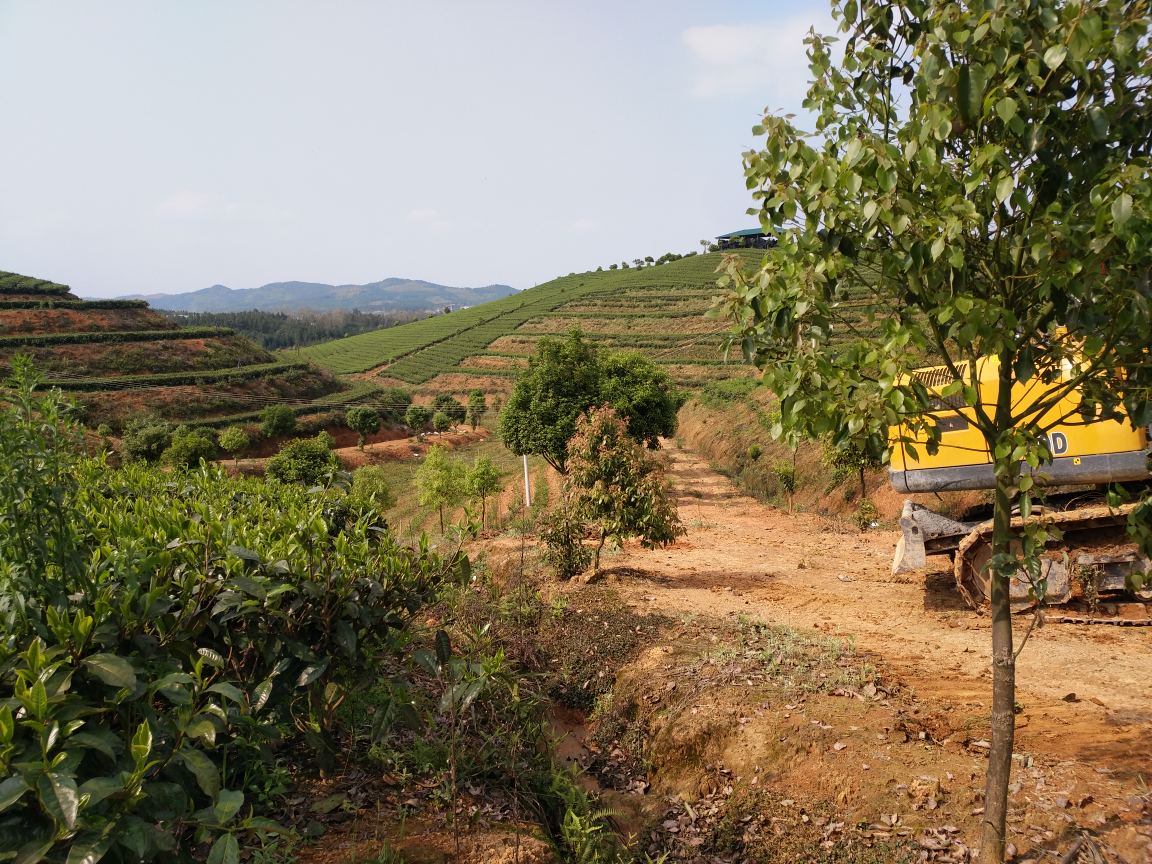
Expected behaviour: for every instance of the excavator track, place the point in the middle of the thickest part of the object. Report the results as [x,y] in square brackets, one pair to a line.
[1087,570]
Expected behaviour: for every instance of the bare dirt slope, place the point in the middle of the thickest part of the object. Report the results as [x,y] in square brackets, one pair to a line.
[1084,758]
[807,571]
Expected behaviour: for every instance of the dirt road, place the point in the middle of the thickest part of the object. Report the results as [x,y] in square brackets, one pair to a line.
[806,571]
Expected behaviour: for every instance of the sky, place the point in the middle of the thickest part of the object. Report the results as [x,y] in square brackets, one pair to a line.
[162,147]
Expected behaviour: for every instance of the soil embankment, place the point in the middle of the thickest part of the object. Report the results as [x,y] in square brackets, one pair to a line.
[737,752]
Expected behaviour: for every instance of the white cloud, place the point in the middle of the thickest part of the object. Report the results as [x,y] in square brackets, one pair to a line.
[424,214]
[187,204]
[738,59]
[583,226]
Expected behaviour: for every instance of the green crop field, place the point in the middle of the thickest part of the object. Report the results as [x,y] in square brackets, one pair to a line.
[667,302]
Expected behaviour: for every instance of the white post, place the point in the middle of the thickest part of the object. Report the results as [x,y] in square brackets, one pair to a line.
[527,491]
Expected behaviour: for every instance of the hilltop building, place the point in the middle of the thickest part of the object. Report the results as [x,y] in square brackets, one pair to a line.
[749,238]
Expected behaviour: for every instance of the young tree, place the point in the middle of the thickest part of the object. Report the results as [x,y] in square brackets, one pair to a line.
[416,417]
[642,394]
[277,420]
[188,447]
[391,403]
[370,486]
[441,423]
[477,405]
[234,439]
[364,421]
[440,481]
[979,188]
[568,377]
[448,404]
[613,482]
[145,438]
[483,481]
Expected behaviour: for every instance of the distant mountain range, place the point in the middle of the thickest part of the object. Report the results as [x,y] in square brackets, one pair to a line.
[384,296]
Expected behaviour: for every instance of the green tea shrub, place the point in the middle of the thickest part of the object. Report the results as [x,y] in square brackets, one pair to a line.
[305,460]
[277,420]
[145,439]
[188,449]
[166,631]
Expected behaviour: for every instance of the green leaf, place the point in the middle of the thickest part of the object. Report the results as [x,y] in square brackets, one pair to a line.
[112,670]
[7,726]
[1006,108]
[1098,123]
[11,790]
[312,671]
[228,804]
[244,554]
[212,658]
[142,743]
[1004,187]
[426,660]
[204,769]
[260,694]
[205,729]
[32,852]
[225,850]
[346,638]
[1054,56]
[229,691]
[59,797]
[99,788]
[88,847]
[38,699]
[1122,210]
[249,586]
[443,648]
[99,739]
[970,92]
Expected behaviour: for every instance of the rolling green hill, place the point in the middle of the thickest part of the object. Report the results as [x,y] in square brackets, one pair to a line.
[657,310]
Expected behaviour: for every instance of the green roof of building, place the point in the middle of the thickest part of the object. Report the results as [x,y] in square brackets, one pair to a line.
[747,232]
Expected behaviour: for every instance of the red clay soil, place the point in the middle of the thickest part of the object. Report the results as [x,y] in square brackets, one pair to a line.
[144,358]
[1085,693]
[28,322]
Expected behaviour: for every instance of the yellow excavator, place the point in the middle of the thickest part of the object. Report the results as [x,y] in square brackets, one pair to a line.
[1088,570]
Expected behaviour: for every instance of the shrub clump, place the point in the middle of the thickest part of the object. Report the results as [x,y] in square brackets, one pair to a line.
[276,420]
[305,460]
[154,650]
[188,448]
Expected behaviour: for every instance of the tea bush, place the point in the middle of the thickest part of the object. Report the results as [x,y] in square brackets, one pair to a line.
[305,460]
[161,633]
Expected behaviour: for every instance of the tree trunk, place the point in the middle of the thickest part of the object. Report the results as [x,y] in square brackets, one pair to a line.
[441,518]
[863,487]
[596,554]
[1003,663]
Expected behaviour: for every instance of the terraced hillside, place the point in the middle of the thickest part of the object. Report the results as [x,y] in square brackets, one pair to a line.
[120,357]
[656,310]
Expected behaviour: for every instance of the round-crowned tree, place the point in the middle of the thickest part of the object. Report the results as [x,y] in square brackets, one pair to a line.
[416,417]
[276,420]
[441,422]
[364,421]
[234,439]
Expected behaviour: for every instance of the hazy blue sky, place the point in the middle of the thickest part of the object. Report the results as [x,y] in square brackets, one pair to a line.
[163,146]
